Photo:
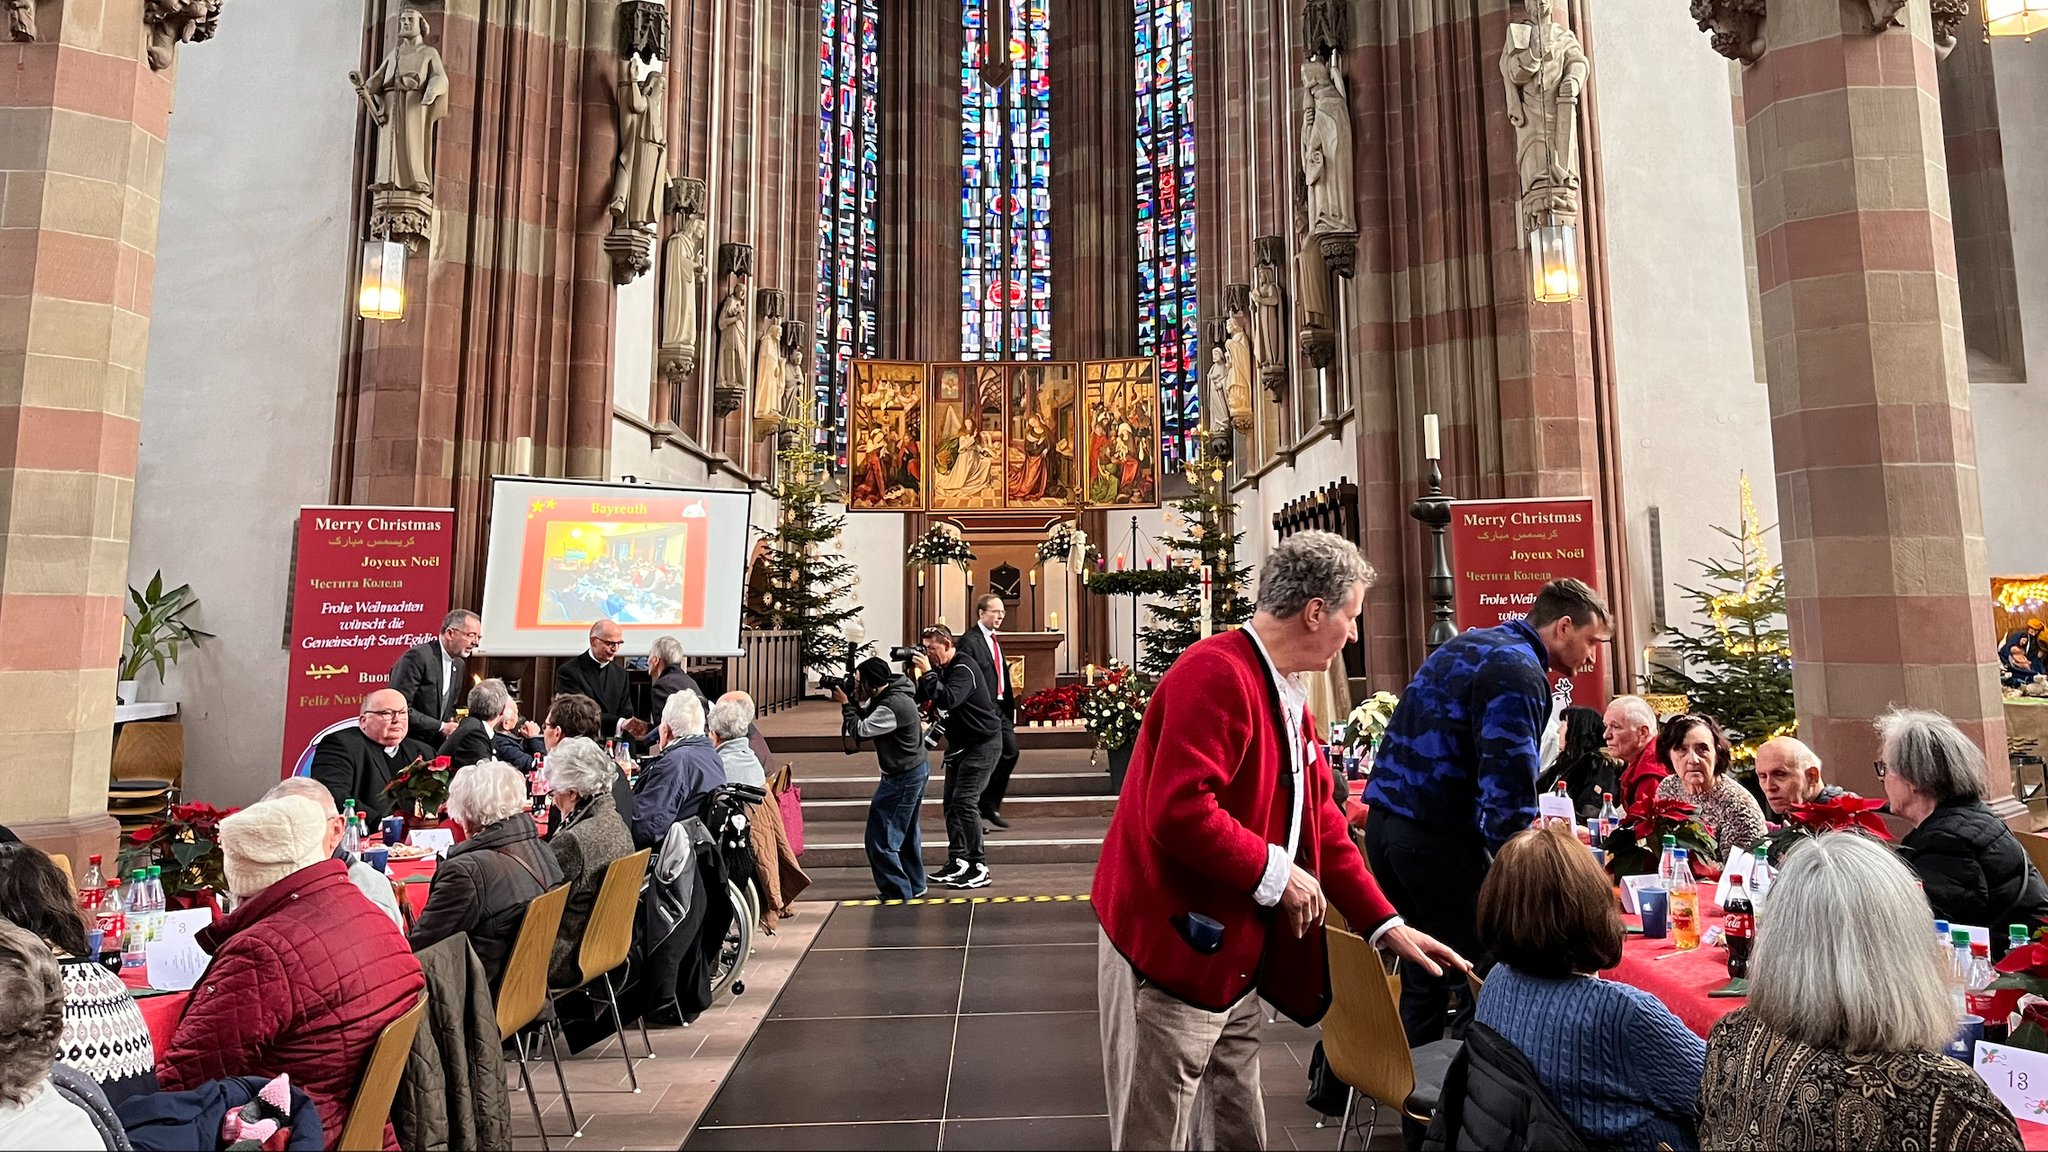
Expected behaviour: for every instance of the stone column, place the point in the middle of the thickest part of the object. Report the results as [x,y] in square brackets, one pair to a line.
[82,127]
[1870,395]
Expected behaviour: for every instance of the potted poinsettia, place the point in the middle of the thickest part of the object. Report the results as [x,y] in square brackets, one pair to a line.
[1842,813]
[186,845]
[420,789]
[1637,845]
[2020,995]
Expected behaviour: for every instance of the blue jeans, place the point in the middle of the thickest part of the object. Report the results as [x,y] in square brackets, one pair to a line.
[894,844]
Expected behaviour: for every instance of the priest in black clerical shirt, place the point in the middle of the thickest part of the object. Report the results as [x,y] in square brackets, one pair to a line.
[356,763]
[598,674]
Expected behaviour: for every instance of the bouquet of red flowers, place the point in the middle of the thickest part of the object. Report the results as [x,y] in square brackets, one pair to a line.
[421,787]
[2022,991]
[1053,704]
[1843,813]
[186,845]
[1636,847]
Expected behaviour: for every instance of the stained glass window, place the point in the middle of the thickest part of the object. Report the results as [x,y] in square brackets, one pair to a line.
[847,159]
[1006,185]
[1169,319]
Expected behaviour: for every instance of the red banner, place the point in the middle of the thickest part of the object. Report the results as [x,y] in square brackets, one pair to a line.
[1505,551]
[368,584]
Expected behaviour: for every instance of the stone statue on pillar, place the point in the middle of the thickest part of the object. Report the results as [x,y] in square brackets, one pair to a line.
[406,96]
[682,278]
[1217,378]
[641,169]
[1326,164]
[1317,332]
[729,381]
[768,362]
[1545,70]
[1237,395]
[21,21]
[1269,333]
[170,23]
[796,389]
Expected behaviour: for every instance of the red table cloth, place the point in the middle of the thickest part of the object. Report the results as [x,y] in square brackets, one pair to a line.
[1680,980]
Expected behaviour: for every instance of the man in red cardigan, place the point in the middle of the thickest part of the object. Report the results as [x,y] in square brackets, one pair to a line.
[1214,872]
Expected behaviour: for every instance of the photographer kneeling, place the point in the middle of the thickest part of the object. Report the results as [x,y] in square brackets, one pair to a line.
[887,715]
[974,740]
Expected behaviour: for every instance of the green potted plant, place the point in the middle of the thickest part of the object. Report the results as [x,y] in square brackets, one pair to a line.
[156,631]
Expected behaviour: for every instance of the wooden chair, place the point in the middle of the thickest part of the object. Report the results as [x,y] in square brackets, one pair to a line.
[364,1129]
[63,864]
[151,750]
[1365,1045]
[608,937]
[523,993]
[137,802]
[2037,849]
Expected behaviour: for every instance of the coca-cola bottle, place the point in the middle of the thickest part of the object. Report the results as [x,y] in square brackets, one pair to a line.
[1741,928]
[113,926]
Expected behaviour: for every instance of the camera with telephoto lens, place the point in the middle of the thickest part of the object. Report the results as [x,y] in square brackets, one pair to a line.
[837,684]
[905,655]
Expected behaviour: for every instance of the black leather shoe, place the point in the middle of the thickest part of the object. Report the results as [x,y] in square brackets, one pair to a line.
[995,818]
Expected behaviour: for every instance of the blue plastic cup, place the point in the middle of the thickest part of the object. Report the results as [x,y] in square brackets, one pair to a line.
[1964,1046]
[1656,907]
[393,828]
[378,858]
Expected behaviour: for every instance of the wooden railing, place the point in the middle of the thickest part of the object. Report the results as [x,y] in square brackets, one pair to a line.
[771,670]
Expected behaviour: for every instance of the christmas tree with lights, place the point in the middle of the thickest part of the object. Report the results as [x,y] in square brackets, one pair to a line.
[808,580]
[1203,541]
[1738,668]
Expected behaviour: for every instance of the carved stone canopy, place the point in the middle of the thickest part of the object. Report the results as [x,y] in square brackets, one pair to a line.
[685,196]
[1237,297]
[643,29]
[1735,28]
[1884,14]
[175,22]
[1946,16]
[1270,249]
[768,304]
[795,336]
[1325,26]
[736,260]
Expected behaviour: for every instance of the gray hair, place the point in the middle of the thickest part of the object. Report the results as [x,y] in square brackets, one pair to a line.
[1843,960]
[668,650]
[578,765]
[485,793]
[1310,566]
[1635,710]
[488,699]
[31,1012]
[1931,754]
[458,618]
[729,719]
[684,714]
[304,787]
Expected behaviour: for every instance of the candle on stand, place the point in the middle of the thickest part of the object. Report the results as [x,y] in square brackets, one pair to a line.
[1052,621]
[1432,448]
[1034,575]
[920,579]
[1090,670]
[1206,593]
[1119,561]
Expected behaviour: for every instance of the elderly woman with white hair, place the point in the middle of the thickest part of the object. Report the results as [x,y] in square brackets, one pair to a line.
[590,836]
[676,785]
[777,874]
[484,883]
[1840,1044]
[1974,869]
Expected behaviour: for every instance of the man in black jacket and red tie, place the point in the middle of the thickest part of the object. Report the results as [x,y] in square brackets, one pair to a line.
[984,649]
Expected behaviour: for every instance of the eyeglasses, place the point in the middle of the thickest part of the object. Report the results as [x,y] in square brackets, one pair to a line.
[386,713]
[1883,769]
[608,643]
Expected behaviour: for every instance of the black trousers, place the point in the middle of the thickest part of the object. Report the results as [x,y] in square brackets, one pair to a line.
[1006,762]
[967,765]
[1432,876]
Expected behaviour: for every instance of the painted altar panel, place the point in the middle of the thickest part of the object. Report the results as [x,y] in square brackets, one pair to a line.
[887,465]
[1043,454]
[965,410]
[1120,404]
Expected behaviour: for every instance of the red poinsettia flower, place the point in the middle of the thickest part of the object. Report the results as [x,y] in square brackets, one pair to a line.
[2026,958]
[1843,813]
[1650,816]
[441,763]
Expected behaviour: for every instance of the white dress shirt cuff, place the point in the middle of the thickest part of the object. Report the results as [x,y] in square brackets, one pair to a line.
[1379,932]
[1274,883]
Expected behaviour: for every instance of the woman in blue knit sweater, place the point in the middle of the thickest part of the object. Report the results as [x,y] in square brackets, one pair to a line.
[1613,1059]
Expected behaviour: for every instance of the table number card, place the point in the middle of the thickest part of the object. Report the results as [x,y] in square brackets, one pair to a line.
[1551,806]
[439,840]
[2018,1077]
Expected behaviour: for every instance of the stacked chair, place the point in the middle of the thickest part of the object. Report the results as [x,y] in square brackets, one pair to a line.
[148,768]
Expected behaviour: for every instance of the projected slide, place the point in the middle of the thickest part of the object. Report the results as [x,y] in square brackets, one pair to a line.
[659,561]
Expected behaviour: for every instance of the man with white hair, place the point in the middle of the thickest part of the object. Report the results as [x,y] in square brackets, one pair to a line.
[666,676]
[374,884]
[676,785]
[1632,739]
[599,674]
[1788,772]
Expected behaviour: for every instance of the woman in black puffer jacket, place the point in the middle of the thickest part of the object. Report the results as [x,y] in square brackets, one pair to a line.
[483,885]
[1972,866]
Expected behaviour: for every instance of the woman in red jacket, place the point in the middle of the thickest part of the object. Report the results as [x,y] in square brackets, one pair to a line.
[306,971]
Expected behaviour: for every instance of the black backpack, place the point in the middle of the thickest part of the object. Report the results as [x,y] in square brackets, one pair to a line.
[1493,1100]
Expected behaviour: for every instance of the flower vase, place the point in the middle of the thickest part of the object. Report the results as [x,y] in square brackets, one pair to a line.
[416,818]
[1119,763]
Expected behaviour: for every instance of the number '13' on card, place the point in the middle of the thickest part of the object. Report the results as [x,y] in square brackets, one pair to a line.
[2017,1076]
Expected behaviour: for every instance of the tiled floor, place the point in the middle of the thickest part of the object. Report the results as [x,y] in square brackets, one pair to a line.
[967,1025]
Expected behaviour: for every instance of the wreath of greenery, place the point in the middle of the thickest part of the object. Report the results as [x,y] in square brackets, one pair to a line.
[1141,582]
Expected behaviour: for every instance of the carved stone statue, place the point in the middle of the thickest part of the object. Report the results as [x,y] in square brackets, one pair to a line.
[1943,17]
[1237,395]
[21,20]
[1545,70]
[641,170]
[796,391]
[768,362]
[1735,28]
[407,95]
[170,23]
[1217,380]
[682,277]
[1269,340]
[729,383]
[1326,151]
[1312,304]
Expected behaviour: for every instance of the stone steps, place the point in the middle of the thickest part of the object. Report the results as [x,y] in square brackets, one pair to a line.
[837,842]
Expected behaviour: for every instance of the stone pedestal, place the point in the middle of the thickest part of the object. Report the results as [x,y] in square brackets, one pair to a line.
[1033,658]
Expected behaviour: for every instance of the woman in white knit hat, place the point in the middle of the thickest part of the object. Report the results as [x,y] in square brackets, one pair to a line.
[305,972]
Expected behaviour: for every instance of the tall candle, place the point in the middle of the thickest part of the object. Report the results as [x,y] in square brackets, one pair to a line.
[920,578]
[1052,620]
[1119,561]
[1206,593]
[1034,576]
[1432,449]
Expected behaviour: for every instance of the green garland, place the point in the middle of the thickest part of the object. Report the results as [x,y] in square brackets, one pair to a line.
[1141,582]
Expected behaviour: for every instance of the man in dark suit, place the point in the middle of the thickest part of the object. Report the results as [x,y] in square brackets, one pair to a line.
[356,763]
[665,668]
[984,650]
[429,676]
[599,674]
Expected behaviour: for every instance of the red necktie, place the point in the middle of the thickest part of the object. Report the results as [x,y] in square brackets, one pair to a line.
[1002,673]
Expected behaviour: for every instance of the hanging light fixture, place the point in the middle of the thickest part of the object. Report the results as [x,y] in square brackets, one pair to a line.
[380,293]
[1554,262]
[2020,18]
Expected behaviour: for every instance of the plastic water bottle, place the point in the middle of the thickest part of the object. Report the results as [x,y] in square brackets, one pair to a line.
[2015,937]
[157,904]
[1667,867]
[1684,902]
[1611,816]
[1760,877]
[136,922]
[1977,994]
[351,840]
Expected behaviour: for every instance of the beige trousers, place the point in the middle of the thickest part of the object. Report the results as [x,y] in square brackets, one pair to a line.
[1180,1079]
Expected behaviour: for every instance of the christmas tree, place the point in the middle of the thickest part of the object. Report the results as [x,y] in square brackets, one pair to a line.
[1204,541]
[1738,668]
[807,585]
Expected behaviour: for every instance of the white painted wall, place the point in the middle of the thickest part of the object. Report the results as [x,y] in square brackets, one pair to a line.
[2011,419]
[1693,411]
[251,304]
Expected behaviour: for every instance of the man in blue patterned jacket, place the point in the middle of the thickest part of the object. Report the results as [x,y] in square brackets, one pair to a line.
[1455,775]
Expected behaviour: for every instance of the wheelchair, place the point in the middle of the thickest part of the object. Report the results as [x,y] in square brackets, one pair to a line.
[725,814]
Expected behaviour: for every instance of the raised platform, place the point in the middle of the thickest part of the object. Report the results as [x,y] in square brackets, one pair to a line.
[813,726]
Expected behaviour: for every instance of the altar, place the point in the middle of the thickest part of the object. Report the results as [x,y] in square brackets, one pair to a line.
[1033,658]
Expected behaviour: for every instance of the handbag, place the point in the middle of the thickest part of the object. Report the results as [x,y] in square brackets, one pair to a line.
[789,800]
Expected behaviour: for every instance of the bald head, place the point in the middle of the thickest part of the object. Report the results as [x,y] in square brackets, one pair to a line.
[308,788]
[385,717]
[1788,773]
